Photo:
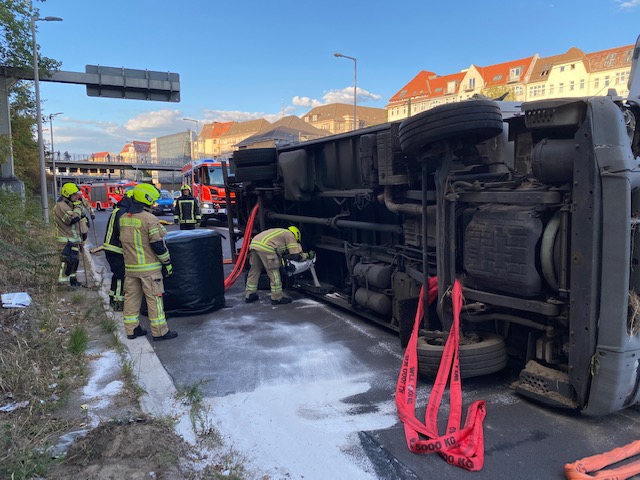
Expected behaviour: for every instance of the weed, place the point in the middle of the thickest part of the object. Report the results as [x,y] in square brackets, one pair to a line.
[130,378]
[78,340]
[77,298]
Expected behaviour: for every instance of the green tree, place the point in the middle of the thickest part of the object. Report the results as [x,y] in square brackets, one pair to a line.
[498,91]
[16,53]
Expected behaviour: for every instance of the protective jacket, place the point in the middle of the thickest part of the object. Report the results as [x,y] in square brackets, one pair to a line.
[143,246]
[186,212]
[278,241]
[67,218]
[112,241]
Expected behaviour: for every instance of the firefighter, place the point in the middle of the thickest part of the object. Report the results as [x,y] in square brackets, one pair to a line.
[267,250]
[146,262]
[186,212]
[113,252]
[68,216]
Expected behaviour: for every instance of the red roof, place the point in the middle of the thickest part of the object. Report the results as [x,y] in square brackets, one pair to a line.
[495,75]
[418,86]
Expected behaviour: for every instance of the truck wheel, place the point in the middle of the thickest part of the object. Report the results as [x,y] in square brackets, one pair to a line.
[254,156]
[488,355]
[475,121]
[261,172]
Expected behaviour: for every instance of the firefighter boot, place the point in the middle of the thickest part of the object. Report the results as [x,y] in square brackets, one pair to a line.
[167,336]
[137,332]
[251,298]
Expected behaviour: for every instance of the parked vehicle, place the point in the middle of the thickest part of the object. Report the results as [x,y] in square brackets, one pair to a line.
[207,185]
[533,208]
[104,195]
[164,205]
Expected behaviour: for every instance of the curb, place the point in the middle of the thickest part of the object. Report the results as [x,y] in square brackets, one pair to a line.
[160,398]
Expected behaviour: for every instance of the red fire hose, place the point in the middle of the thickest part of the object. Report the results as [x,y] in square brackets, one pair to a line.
[244,250]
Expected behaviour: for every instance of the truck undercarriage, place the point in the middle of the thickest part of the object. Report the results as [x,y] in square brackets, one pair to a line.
[533,207]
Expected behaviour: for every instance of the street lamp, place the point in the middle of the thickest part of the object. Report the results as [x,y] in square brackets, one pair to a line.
[36,80]
[195,150]
[53,155]
[355,69]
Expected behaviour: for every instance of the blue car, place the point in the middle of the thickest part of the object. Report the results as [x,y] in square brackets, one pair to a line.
[164,205]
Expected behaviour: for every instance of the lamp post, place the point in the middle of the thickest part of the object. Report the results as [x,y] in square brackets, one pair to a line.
[195,150]
[36,80]
[53,155]
[355,90]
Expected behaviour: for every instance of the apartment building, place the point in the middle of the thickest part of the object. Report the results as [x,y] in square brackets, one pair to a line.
[338,117]
[570,74]
[238,132]
[209,145]
[174,148]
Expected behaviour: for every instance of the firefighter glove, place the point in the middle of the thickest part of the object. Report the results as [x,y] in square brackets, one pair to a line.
[167,270]
[311,254]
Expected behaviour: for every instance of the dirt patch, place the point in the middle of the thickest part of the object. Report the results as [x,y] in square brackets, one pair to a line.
[135,449]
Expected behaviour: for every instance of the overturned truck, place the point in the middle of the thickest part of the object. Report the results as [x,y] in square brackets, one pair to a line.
[533,207]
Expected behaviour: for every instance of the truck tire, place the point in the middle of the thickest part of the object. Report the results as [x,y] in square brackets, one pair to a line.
[488,355]
[254,156]
[261,172]
[474,120]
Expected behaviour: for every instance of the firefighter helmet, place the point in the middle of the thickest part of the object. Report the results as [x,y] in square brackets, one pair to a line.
[185,187]
[146,194]
[69,189]
[295,231]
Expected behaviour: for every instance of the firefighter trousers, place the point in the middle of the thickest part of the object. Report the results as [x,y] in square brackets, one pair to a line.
[69,261]
[271,263]
[151,288]
[116,264]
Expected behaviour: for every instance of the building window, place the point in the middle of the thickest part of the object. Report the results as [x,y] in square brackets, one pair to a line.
[514,74]
[596,83]
[497,78]
[561,88]
[572,86]
[606,81]
[627,56]
[314,118]
[610,60]
[551,87]
[621,77]
[582,84]
[562,68]
[518,90]
[306,118]
[545,70]
[472,83]
[536,91]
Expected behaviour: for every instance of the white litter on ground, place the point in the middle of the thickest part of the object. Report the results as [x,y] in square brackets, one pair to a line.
[16,300]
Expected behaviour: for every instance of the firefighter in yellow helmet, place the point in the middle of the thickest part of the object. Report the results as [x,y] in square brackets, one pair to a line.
[267,249]
[186,211]
[67,217]
[146,262]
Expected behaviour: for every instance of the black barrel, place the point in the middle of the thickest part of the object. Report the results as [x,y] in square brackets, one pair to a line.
[197,283]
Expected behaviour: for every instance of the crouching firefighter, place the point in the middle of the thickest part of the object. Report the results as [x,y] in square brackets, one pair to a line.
[113,252]
[67,217]
[186,212]
[267,250]
[146,262]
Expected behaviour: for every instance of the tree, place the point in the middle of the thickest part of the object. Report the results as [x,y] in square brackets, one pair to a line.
[16,52]
[498,91]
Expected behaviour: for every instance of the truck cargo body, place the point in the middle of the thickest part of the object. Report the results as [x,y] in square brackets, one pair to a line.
[532,207]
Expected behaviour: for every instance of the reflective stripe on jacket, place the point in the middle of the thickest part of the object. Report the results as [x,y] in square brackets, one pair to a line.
[137,232]
[67,220]
[186,210]
[276,240]
[112,241]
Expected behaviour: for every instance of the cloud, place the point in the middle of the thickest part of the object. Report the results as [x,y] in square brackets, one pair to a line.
[628,4]
[153,120]
[344,95]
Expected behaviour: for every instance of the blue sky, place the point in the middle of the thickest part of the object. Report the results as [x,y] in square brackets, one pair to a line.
[241,60]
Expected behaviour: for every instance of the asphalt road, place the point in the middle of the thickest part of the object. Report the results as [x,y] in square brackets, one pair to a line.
[306,390]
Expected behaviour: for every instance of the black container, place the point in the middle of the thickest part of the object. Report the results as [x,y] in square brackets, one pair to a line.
[197,283]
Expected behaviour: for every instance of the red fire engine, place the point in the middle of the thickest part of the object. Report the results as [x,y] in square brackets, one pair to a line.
[103,195]
[207,185]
